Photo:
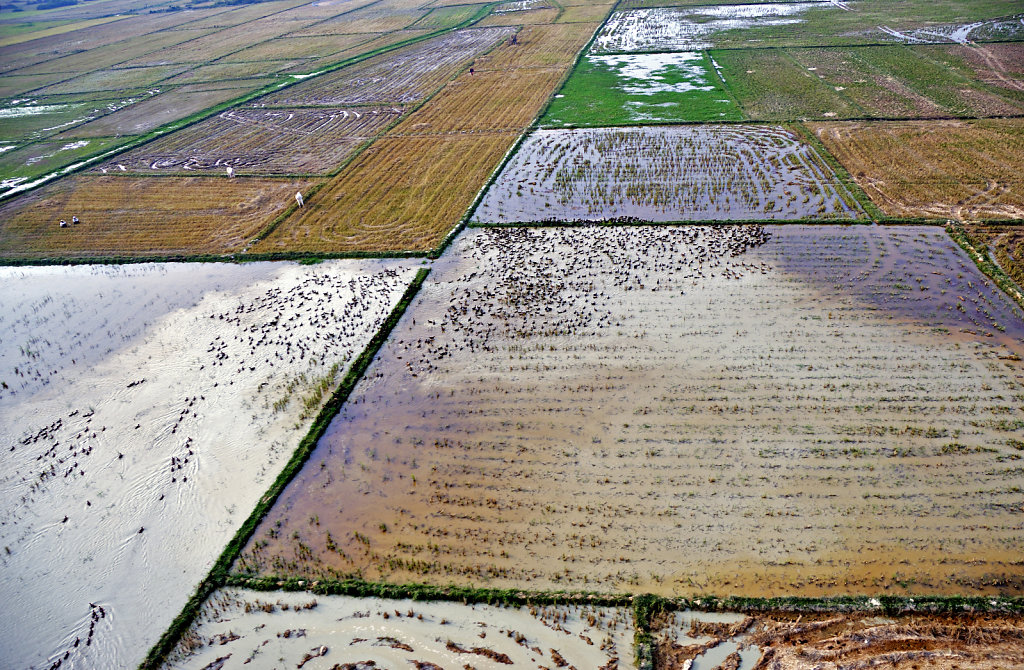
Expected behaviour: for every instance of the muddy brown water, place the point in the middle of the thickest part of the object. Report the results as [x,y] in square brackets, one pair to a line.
[681,410]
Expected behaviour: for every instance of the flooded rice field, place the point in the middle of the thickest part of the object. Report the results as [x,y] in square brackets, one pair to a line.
[239,628]
[780,410]
[143,410]
[666,173]
[690,28]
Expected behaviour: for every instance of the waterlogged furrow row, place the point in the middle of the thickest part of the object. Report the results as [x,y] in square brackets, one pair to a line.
[238,627]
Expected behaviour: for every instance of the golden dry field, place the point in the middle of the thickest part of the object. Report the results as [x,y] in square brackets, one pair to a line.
[124,216]
[411,187]
[939,169]
[553,45]
[403,193]
[487,100]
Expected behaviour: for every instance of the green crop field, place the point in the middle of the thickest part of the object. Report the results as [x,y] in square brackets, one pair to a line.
[636,88]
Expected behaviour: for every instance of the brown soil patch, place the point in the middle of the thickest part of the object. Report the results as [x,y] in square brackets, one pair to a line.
[852,642]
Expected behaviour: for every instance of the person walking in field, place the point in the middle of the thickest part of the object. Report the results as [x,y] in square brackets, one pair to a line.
[298,198]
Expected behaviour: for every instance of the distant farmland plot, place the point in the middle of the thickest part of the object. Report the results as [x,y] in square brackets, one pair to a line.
[948,169]
[133,30]
[290,48]
[690,29]
[260,141]
[135,47]
[403,193]
[788,410]
[552,45]
[526,17]
[164,108]
[665,173]
[586,13]
[141,216]
[114,80]
[403,76]
[485,101]
[229,73]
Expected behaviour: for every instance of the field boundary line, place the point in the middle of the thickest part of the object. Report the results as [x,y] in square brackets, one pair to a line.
[219,573]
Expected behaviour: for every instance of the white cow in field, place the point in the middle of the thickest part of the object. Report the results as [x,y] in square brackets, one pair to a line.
[298,198]
[231,172]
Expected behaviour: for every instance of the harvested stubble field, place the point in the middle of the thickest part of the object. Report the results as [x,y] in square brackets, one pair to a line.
[402,193]
[107,80]
[528,17]
[585,13]
[404,76]
[289,47]
[947,169]
[554,45]
[666,173]
[144,409]
[795,410]
[142,216]
[240,626]
[485,101]
[48,49]
[260,141]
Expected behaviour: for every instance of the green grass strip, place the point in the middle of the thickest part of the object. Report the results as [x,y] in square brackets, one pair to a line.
[644,605]
[218,575]
[979,253]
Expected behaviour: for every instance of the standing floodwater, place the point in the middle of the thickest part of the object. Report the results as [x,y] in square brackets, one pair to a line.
[143,410]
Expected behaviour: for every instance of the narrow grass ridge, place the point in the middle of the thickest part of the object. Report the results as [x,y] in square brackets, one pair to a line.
[218,575]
